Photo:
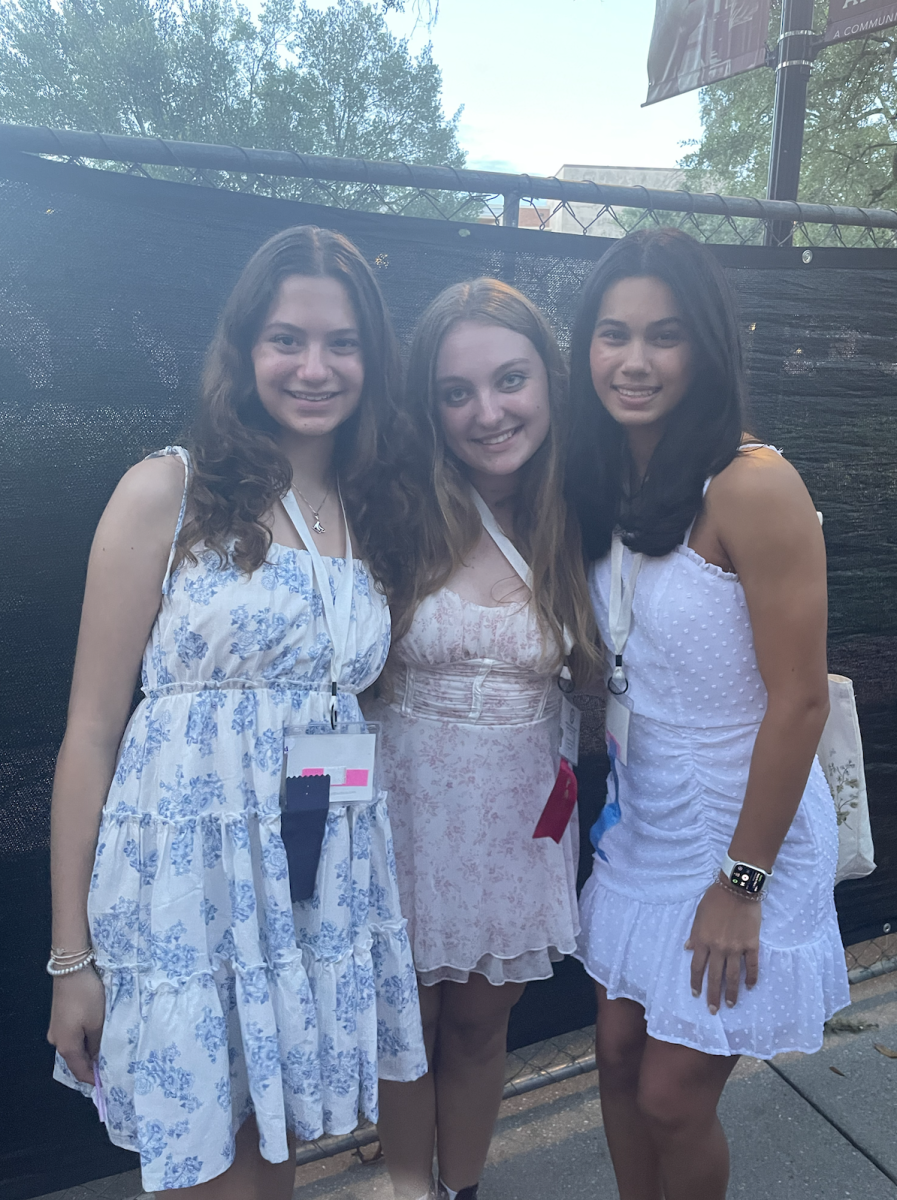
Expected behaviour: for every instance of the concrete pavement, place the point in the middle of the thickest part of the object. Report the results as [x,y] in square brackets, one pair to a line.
[797,1130]
[820,1127]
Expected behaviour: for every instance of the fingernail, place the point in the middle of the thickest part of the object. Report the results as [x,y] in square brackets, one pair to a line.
[694,992]
[713,1009]
[730,1003]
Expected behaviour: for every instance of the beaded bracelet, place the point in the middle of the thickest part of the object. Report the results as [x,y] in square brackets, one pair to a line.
[55,967]
[727,887]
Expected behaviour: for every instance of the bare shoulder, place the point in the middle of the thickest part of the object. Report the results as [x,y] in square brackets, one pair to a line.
[758,484]
[155,480]
[764,517]
[153,487]
[147,501]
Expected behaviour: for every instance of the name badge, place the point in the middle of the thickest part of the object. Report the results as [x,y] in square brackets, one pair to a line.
[347,757]
[616,727]
[571,720]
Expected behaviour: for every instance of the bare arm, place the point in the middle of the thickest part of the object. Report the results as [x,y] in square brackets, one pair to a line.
[122,595]
[767,525]
[772,534]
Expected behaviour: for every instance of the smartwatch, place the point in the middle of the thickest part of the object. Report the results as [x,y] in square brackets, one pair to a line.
[743,877]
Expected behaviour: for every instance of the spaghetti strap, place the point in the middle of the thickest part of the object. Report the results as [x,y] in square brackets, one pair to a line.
[698,513]
[708,480]
[184,456]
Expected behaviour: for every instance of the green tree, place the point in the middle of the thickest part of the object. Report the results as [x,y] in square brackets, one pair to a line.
[332,82]
[850,139]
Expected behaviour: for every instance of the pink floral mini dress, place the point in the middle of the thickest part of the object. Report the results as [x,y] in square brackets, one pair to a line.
[469,754]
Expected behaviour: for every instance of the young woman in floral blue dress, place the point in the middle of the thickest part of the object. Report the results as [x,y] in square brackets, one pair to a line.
[212,1019]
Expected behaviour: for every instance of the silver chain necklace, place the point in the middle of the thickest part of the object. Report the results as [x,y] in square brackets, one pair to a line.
[317,527]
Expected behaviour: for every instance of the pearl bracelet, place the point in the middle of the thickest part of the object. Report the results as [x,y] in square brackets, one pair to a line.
[55,968]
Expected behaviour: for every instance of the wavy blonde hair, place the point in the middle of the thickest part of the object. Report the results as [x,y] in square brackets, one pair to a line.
[443,523]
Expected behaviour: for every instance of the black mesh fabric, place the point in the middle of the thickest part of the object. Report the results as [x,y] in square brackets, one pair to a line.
[110,287]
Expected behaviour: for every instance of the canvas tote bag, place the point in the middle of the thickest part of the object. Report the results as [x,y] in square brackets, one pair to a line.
[840,755]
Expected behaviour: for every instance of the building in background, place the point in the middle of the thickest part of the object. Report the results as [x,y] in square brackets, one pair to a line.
[574,217]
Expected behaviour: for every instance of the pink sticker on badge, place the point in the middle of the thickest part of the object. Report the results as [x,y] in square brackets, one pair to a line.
[341,776]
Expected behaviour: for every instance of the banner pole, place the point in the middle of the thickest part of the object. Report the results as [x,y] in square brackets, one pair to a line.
[794,58]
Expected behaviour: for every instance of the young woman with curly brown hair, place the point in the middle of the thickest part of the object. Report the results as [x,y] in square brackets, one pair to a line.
[215,1019]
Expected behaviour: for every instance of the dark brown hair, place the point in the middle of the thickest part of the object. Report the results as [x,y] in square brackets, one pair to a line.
[702,435]
[239,469]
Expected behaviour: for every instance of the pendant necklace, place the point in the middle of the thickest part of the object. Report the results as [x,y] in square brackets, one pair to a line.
[317,527]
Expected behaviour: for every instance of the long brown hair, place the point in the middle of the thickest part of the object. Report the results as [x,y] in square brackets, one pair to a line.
[447,525]
[239,469]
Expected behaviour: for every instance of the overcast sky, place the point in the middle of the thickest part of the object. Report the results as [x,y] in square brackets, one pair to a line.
[548,82]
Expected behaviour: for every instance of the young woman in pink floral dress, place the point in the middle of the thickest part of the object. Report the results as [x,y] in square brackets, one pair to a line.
[470,720]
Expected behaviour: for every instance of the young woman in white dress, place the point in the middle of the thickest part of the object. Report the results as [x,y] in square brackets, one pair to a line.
[709,588]
[470,724]
[213,1020]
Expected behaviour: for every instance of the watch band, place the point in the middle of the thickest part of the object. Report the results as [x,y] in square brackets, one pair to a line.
[746,878]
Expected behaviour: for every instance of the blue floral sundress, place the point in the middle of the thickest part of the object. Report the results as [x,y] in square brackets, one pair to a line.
[222,997]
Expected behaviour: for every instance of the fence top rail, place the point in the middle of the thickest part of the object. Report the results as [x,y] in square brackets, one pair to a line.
[69,143]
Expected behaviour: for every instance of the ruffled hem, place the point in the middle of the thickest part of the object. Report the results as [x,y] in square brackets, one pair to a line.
[523,968]
[224,999]
[635,950]
[299,1044]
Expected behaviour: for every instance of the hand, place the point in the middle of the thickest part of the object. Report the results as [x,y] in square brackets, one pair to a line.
[726,929]
[76,1020]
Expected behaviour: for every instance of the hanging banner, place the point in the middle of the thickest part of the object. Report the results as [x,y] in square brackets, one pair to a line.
[696,42]
[857,18]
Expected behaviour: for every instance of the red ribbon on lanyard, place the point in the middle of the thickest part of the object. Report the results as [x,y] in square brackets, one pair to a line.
[559,809]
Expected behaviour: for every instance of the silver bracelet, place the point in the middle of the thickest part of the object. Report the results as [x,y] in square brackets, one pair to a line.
[57,968]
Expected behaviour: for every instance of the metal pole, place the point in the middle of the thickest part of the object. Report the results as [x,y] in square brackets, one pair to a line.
[794,58]
[510,212]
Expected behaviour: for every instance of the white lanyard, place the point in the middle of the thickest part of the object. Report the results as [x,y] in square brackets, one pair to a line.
[515,558]
[620,612]
[336,600]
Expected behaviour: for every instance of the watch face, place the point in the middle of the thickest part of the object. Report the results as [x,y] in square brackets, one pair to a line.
[747,879]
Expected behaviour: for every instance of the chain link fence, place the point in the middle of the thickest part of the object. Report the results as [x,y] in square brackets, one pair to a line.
[547,205]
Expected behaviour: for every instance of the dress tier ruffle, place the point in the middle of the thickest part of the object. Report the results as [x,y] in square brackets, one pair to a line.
[469,754]
[224,999]
[696,699]
[800,987]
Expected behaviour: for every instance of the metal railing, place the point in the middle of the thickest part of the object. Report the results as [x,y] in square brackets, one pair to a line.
[448,193]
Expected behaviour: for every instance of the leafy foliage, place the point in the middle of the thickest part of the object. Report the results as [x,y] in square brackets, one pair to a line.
[334,81]
[850,139]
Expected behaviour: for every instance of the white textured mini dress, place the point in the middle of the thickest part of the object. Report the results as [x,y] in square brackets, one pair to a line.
[697,699]
[223,998]
[469,751]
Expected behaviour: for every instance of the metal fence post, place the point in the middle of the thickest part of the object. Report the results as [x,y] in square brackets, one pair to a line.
[510,212]
[794,58]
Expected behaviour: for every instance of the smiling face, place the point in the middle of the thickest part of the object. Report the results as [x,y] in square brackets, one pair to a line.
[641,355]
[492,397]
[309,370]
